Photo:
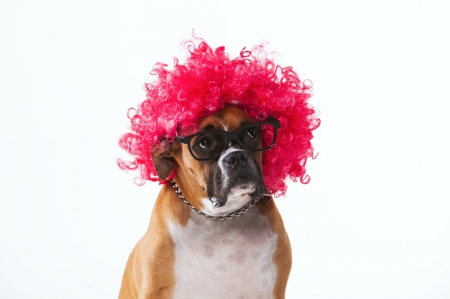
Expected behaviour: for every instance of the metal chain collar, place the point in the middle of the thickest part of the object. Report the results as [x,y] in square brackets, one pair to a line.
[231,215]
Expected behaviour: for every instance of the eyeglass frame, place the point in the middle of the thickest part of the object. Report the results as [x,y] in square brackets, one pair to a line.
[233,136]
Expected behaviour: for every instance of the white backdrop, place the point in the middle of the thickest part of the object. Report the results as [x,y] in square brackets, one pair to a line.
[374,221]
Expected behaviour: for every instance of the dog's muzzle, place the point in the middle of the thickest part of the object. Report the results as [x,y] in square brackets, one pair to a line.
[236,174]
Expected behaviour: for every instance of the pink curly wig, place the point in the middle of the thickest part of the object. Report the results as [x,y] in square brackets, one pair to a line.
[207,82]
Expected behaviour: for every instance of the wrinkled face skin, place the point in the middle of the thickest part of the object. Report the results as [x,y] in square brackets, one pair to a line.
[232,180]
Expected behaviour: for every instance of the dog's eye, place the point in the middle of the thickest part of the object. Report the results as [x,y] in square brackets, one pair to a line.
[204,143]
[252,133]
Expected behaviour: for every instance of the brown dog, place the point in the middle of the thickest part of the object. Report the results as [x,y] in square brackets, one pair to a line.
[191,249]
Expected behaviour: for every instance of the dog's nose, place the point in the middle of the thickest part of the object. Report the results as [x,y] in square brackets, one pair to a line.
[238,158]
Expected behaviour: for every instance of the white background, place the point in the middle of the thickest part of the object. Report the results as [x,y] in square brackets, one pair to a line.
[373,223]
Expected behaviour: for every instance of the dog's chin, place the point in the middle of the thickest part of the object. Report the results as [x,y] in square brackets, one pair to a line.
[237,196]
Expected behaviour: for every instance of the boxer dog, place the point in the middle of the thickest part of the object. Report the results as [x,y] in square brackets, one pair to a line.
[213,232]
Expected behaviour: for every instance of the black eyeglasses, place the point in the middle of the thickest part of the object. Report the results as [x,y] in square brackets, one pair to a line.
[210,144]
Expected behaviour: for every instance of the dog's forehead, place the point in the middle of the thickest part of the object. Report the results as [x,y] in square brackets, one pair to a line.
[228,119]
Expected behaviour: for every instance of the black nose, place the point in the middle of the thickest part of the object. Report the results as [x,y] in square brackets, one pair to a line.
[238,158]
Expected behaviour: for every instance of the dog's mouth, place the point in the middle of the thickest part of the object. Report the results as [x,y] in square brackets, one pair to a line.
[242,189]
[231,186]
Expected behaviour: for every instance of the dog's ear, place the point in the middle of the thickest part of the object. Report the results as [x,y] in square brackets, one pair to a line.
[162,160]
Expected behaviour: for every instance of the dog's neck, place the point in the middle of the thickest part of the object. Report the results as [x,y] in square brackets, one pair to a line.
[178,212]
[209,252]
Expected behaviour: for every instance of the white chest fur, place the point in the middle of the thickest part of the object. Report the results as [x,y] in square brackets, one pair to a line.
[224,259]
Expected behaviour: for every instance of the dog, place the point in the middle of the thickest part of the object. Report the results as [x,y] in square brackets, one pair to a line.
[213,232]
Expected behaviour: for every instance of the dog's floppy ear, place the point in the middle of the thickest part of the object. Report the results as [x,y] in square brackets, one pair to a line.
[162,160]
